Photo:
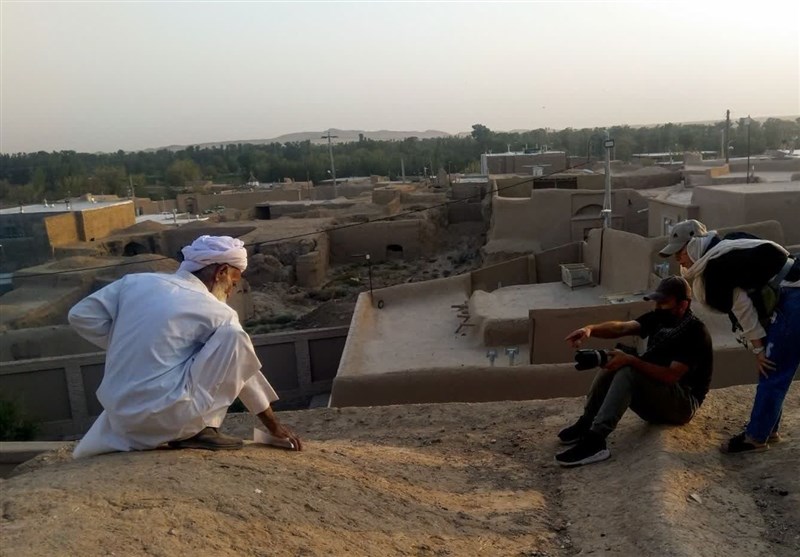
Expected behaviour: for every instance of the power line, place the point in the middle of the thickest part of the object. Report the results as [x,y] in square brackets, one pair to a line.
[314,233]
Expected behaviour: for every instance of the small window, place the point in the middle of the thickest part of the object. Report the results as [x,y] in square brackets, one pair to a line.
[667,226]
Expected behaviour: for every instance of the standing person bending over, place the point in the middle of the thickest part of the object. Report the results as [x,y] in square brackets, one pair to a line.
[666,385]
[177,356]
[742,275]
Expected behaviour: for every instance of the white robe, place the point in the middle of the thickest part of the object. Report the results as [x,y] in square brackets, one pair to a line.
[176,359]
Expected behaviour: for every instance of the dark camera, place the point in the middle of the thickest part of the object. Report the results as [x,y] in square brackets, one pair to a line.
[588,359]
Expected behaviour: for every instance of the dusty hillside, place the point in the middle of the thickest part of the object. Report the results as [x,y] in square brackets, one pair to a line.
[430,480]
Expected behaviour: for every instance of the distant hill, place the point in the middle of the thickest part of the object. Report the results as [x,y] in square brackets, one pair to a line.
[344,136]
[734,119]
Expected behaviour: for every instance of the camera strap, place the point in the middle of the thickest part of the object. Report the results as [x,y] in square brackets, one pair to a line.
[676,330]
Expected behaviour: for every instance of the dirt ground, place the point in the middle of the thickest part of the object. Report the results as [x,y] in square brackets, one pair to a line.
[427,480]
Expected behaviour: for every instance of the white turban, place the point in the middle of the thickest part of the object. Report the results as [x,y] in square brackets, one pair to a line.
[214,250]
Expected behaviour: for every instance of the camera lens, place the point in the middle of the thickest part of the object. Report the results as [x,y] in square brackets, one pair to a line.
[588,359]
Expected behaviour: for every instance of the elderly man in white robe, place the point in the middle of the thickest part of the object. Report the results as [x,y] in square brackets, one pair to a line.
[177,356]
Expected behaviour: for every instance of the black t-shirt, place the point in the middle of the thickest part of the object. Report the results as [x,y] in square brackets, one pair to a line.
[688,343]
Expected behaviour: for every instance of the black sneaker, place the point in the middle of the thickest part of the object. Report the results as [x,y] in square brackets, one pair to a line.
[209,439]
[591,448]
[572,434]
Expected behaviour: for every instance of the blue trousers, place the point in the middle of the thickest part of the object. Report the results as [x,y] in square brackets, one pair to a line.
[783,348]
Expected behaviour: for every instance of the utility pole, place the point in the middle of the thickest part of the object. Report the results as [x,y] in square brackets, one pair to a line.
[749,121]
[132,193]
[606,212]
[727,134]
[403,169]
[328,136]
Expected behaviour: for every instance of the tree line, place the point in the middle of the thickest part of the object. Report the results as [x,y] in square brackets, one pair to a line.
[33,177]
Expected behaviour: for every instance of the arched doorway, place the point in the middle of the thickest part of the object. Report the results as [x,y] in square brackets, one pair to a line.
[394,252]
[134,248]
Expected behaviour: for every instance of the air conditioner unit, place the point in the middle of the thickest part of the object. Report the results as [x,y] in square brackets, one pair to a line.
[576,274]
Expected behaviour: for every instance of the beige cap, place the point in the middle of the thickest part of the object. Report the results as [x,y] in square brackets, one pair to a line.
[681,234]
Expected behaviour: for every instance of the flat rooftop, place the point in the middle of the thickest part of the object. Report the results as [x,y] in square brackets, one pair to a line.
[169,219]
[514,302]
[427,321]
[423,316]
[523,153]
[61,207]
[671,194]
[309,202]
[761,187]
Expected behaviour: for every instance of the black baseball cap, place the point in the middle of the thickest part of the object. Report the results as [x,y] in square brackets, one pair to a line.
[671,287]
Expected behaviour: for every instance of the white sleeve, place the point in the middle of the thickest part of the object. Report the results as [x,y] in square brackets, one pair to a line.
[257,394]
[747,315]
[94,316]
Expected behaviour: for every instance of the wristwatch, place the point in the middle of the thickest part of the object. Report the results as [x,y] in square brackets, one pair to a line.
[757,350]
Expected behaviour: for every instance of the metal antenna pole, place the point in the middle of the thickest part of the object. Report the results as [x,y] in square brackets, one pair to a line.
[606,212]
[328,136]
[727,134]
[749,121]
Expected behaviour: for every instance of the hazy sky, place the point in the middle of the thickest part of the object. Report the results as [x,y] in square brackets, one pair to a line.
[94,76]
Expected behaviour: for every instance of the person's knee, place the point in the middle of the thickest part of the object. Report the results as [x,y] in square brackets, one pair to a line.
[626,373]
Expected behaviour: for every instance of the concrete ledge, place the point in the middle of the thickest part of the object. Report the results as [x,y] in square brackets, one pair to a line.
[464,384]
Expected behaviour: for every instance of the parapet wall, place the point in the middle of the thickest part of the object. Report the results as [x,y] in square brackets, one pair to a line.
[627,259]
[298,364]
[549,327]
[521,270]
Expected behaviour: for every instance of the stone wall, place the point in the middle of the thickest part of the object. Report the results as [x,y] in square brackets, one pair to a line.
[732,206]
[400,239]
[312,268]
[552,218]
[62,229]
[96,224]
[196,203]
[147,206]
[659,211]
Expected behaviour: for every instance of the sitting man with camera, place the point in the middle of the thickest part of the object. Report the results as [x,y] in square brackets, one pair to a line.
[665,385]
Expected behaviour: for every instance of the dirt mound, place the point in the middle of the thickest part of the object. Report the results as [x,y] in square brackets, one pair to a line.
[143,227]
[650,171]
[329,314]
[456,479]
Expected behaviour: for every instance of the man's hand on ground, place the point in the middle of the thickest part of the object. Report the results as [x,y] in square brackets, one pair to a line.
[280,430]
[616,360]
[577,337]
[277,429]
[764,364]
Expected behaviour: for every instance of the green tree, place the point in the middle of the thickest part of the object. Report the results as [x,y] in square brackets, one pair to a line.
[107,180]
[182,171]
[482,135]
